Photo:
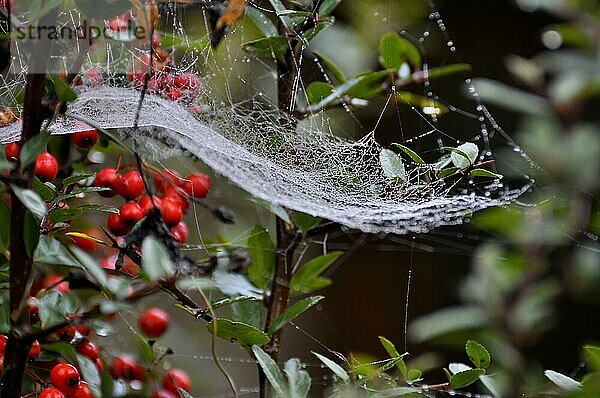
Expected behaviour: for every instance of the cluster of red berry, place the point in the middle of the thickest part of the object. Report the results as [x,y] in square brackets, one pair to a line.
[46,165]
[173,201]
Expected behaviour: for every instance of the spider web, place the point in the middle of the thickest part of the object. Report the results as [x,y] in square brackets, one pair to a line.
[301,165]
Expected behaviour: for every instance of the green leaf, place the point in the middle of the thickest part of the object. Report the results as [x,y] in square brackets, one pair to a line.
[427,105]
[231,300]
[31,234]
[492,385]
[251,312]
[396,50]
[31,201]
[414,374]
[327,6]
[4,226]
[273,208]
[64,92]
[478,354]
[446,172]
[45,192]
[262,22]
[5,164]
[299,380]
[32,149]
[271,370]
[261,248]
[413,155]
[280,11]
[392,164]
[156,263]
[54,307]
[464,155]
[99,208]
[331,66]
[563,381]
[238,332]
[367,85]
[334,367]
[76,178]
[393,353]
[305,221]
[62,215]
[293,312]
[194,283]
[484,173]
[90,265]
[269,47]
[511,98]
[235,284]
[465,378]
[593,355]
[318,91]
[446,321]
[441,71]
[65,350]
[90,374]
[307,279]
[51,251]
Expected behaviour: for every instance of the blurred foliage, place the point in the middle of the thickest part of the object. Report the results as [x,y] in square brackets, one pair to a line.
[547,252]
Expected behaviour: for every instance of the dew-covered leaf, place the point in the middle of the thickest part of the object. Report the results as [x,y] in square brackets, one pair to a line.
[390,348]
[261,248]
[465,378]
[156,263]
[308,277]
[445,70]
[293,312]
[334,367]
[298,379]
[275,46]
[464,155]
[262,22]
[90,374]
[392,165]
[238,332]
[484,173]
[412,154]
[51,251]
[271,370]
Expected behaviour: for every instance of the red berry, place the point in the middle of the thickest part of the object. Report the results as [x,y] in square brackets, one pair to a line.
[162,393]
[131,213]
[3,342]
[81,329]
[146,204]
[174,94]
[88,349]
[12,150]
[119,24]
[180,232]
[109,178]
[99,365]
[65,377]
[82,391]
[171,212]
[165,82]
[35,349]
[46,167]
[85,139]
[133,185]
[108,262]
[51,393]
[187,81]
[54,280]
[117,225]
[127,369]
[153,322]
[166,179]
[66,334]
[176,378]
[197,185]
[173,193]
